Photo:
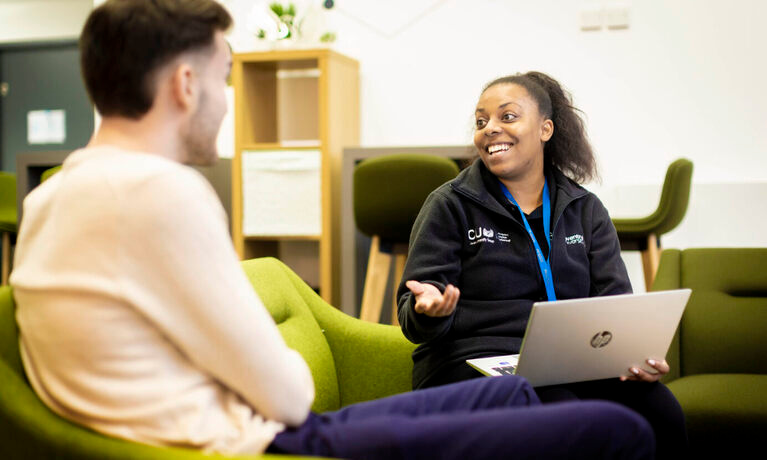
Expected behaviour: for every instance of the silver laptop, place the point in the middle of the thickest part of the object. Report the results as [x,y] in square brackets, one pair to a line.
[593,338]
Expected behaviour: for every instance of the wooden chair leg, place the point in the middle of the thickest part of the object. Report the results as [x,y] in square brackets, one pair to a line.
[650,260]
[399,269]
[379,264]
[6,270]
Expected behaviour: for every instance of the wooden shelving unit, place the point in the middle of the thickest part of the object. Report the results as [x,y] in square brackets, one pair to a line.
[296,101]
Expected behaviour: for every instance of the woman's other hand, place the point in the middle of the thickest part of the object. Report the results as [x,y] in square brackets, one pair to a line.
[430,301]
[640,375]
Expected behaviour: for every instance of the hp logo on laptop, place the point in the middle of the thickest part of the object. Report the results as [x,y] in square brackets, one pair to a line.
[601,339]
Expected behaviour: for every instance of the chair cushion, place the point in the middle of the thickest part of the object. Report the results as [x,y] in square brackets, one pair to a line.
[297,326]
[723,408]
[8,226]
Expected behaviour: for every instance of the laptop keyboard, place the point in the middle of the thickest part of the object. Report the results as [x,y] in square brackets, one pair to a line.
[505,370]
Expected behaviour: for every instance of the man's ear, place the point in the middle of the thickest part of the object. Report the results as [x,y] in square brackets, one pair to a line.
[547,130]
[184,87]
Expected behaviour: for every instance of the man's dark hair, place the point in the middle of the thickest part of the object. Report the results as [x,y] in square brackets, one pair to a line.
[124,43]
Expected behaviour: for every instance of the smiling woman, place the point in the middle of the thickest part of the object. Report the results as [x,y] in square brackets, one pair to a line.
[503,235]
[509,136]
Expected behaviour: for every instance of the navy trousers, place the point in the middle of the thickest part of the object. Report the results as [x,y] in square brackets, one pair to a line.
[490,418]
[654,401]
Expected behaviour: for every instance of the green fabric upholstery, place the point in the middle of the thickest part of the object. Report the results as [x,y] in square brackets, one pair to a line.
[674,199]
[8,215]
[390,190]
[723,410]
[369,361]
[669,277]
[718,369]
[351,361]
[299,329]
[48,173]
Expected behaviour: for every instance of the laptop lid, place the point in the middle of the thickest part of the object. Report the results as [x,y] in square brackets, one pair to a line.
[592,338]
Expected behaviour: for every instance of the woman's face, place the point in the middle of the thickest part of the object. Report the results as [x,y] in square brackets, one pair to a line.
[510,132]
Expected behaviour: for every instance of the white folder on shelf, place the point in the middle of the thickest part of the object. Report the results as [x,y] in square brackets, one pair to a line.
[281,193]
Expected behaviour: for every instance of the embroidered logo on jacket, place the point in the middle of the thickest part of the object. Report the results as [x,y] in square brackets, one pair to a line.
[574,239]
[481,235]
[486,235]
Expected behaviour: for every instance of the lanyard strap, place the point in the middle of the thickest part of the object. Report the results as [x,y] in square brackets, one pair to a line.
[543,263]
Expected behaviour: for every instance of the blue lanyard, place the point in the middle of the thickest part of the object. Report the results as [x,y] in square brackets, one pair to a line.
[543,263]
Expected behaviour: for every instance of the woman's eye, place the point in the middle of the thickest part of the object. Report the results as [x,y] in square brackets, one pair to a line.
[481,124]
[508,117]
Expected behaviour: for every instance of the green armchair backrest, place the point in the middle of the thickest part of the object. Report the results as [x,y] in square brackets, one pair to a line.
[672,207]
[48,173]
[8,212]
[389,191]
[674,197]
[723,327]
[351,361]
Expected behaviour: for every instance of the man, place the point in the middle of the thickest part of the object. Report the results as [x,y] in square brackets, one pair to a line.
[137,321]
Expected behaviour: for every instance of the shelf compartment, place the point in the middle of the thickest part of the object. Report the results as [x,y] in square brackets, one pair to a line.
[280,103]
[281,193]
[302,256]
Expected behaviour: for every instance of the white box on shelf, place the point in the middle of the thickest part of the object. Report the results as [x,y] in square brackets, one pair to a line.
[281,193]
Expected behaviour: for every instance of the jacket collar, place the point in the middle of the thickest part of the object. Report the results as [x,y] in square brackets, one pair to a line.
[474,181]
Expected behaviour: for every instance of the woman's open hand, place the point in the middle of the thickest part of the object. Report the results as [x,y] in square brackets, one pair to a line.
[430,301]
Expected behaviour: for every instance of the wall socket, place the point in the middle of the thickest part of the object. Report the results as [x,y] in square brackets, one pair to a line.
[595,18]
[616,17]
[591,18]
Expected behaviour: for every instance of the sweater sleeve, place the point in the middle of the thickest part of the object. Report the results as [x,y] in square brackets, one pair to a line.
[185,277]
[608,272]
[433,257]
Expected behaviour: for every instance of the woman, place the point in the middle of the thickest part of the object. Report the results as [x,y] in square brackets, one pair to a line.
[513,229]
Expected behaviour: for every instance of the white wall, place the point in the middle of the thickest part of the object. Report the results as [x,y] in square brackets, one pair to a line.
[685,79]
[37,20]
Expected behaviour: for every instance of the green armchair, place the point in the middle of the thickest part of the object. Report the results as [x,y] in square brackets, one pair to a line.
[388,194]
[643,233]
[350,360]
[718,357]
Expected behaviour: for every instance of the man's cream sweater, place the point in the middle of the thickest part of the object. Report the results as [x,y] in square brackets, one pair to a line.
[135,317]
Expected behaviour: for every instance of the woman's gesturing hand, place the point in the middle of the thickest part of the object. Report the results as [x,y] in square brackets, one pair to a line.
[430,301]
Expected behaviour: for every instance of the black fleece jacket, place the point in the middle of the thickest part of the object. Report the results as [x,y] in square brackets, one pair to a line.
[467,234]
